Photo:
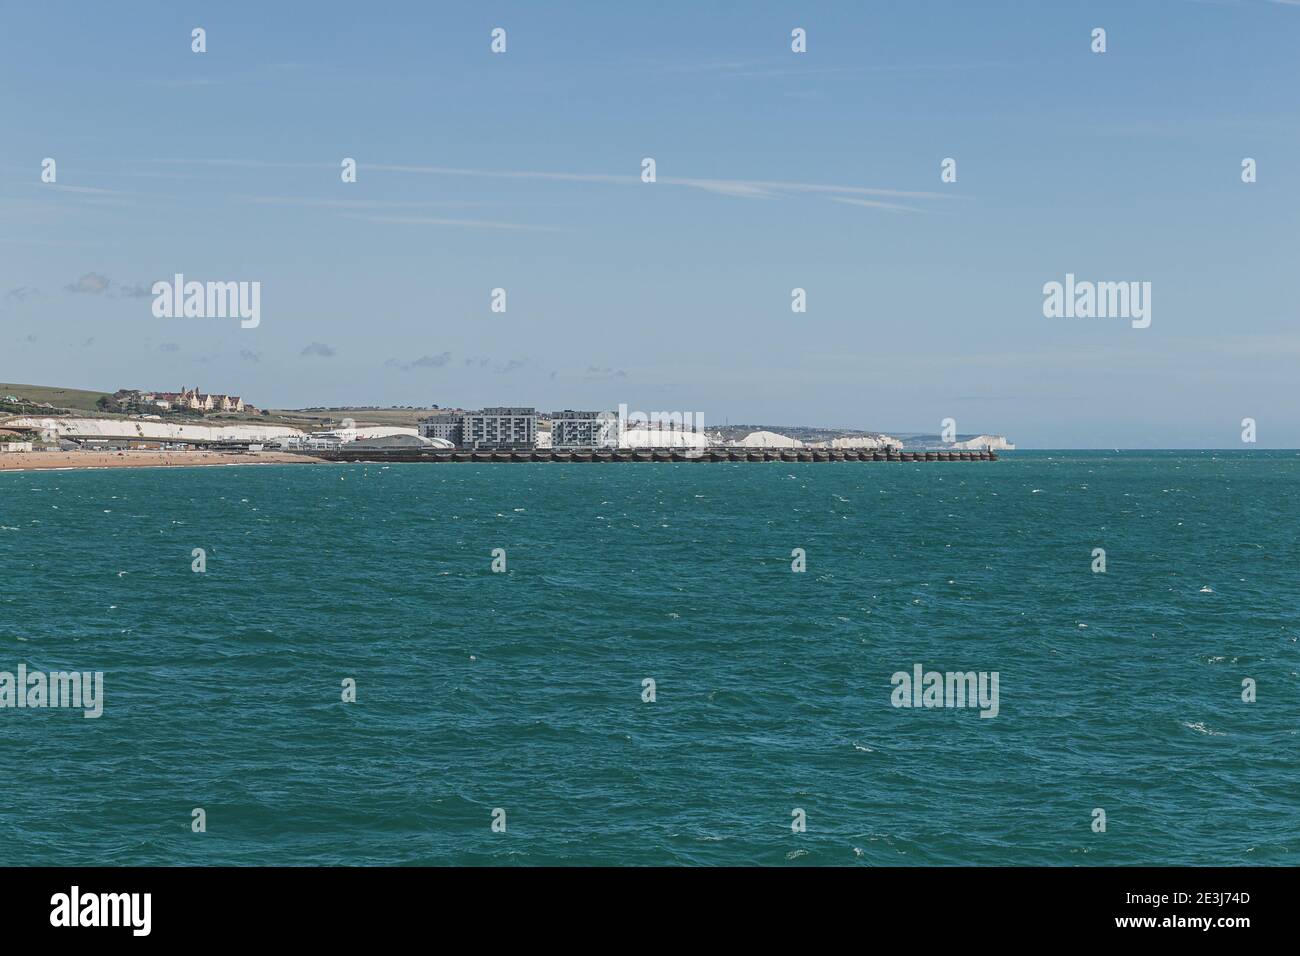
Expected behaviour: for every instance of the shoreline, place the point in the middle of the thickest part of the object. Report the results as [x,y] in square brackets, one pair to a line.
[96,461]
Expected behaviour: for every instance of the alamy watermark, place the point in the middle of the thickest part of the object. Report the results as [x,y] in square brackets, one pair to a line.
[208,300]
[660,421]
[75,908]
[37,689]
[957,689]
[1098,300]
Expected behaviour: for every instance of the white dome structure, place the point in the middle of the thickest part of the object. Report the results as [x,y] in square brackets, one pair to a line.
[398,442]
[662,438]
[768,440]
[365,432]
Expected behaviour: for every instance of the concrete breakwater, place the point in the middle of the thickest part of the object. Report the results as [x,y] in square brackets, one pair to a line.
[649,454]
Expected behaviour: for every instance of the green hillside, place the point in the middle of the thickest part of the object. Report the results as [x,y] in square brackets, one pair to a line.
[83,402]
[73,399]
[319,418]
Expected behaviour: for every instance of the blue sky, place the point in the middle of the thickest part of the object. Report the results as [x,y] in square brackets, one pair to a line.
[521,171]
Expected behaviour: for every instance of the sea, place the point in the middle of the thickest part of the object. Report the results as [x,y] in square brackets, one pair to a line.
[658,664]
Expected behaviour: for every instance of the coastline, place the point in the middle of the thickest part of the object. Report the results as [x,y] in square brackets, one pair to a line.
[91,460]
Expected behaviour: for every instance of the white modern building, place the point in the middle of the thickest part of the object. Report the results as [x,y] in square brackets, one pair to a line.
[446,426]
[506,427]
[570,429]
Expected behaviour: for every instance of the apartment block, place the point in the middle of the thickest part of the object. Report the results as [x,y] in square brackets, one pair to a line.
[504,427]
[570,429]
[446,425]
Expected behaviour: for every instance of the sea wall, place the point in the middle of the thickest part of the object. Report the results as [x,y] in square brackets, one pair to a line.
[727,454]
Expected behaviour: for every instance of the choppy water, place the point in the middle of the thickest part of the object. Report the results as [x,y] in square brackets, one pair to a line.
[522,690]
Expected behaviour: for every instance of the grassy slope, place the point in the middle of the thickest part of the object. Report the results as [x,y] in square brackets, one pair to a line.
[74,398]
[83,401]
[324,418]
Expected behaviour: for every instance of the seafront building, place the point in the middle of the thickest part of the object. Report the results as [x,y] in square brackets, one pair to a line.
[447,426]
[515,428]
[499,427]
[570,429]
[504,427]
[511,428]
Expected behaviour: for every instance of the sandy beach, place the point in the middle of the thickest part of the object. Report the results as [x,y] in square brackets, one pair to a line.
[43,460]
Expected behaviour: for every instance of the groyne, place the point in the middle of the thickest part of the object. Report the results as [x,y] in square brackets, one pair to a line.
[599,455]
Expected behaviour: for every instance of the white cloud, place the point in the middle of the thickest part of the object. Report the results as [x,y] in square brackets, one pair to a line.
[92,283]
